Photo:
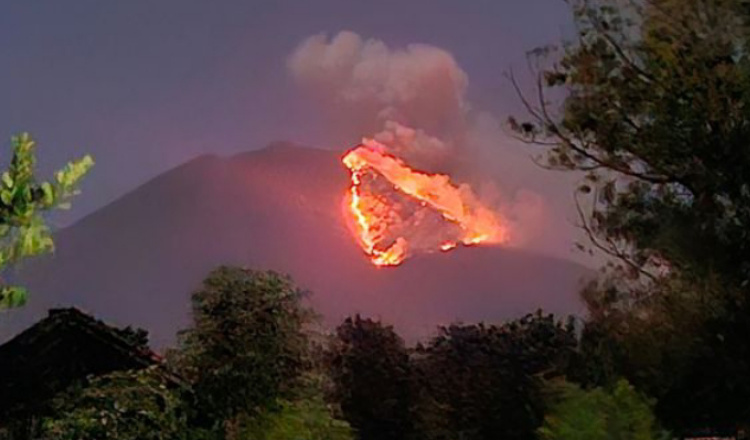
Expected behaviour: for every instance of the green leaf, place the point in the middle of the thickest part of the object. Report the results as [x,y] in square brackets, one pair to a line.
[7,180]
[49,193]
[12,296]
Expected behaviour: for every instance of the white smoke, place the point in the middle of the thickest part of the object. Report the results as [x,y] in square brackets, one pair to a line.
[418,86]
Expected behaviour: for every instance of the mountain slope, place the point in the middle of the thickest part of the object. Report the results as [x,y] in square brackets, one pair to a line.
[137,260]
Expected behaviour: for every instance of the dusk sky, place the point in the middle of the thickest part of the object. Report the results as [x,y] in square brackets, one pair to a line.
[144,86]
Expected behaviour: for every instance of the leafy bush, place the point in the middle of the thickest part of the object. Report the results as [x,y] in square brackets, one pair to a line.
[130,405]
[308,419]
[619,413]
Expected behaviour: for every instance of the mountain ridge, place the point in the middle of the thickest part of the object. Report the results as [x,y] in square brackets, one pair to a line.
[137,259]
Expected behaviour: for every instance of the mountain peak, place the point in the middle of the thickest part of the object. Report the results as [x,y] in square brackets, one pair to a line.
[283,145]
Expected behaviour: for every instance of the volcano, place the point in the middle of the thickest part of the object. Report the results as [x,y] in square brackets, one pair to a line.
[137,260]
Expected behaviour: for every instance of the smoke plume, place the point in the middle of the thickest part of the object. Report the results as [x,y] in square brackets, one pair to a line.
[413,100]
[419,86]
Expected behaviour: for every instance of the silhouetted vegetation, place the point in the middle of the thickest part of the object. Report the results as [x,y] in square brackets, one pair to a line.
[474,381]
[251,366]
[655,114]
[369,365]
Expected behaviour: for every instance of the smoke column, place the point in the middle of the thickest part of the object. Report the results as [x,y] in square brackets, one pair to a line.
[413,101]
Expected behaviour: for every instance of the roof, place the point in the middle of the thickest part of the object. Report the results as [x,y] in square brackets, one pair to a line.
[66,346]
[58,320]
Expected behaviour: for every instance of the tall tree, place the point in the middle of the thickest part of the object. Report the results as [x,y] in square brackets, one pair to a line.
[484,382]
[656,100]
[247,347]
[655,114]
[23,201]
[369,366]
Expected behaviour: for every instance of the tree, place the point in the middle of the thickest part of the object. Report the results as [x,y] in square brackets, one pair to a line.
[23,201]
[129,405]
[600,414]
[247,347]
[655,113]
[369,367]
[484,382]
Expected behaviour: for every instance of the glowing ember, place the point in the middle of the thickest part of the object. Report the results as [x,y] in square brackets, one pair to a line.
[448,245]
[395,210]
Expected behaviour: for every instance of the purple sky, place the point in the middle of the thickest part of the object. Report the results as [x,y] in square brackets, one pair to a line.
[145,85]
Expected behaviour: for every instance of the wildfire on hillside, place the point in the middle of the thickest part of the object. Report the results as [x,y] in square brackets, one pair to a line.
[395,211]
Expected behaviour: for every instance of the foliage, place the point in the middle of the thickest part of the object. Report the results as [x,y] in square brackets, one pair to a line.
[478,381]
[685,346]
[23,200]
[138,337]
[299,420]
[619,413]
[306,416]
[369,366]
[655,113]
[247,346]
[137,405]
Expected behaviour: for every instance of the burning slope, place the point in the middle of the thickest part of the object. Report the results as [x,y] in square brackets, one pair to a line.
[395,210]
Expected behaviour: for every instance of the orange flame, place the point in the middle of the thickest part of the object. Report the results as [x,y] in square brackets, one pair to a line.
[375,216]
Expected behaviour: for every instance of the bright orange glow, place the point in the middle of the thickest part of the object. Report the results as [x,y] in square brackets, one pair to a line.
[448,245]
[389,204]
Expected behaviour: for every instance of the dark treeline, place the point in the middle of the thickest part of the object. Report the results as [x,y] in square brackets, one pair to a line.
[254,366]
[470,381]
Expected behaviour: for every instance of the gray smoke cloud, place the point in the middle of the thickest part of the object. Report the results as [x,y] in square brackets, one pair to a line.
[417,86]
